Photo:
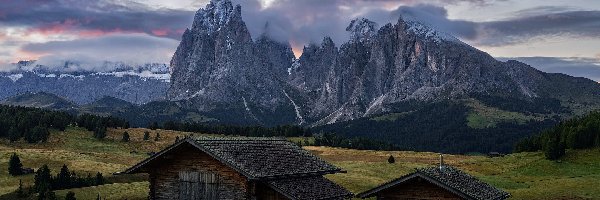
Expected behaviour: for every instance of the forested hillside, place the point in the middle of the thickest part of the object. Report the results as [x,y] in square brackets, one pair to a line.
[578,133]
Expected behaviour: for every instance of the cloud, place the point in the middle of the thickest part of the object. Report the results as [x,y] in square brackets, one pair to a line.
[522,29]
[578,67]
[100,17]
[92,53]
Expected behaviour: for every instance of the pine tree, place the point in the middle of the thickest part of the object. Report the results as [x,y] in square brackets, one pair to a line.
[146,135]
[554,148]
[157,137]
[100,132]
[391,159]
[99,179]
[125,137]
[42,179]
[14,165]
[64,177]
[70,196]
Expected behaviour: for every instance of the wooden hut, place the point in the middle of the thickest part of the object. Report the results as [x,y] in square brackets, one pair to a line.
[441,182]
[238,168]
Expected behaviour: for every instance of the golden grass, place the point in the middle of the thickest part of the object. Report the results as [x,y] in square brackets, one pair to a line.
[524,175]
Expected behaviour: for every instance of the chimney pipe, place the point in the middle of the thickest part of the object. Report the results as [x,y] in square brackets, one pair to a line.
[441,161]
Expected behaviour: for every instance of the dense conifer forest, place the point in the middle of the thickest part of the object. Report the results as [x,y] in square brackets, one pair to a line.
[578,133]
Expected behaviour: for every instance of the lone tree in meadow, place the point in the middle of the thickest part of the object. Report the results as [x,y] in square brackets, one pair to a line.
[125,137]
[14,165]
[157,137]
[146,135]
[391,159]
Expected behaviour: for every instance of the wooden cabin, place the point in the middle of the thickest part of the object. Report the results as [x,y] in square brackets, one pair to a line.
[443,182]
[238,168]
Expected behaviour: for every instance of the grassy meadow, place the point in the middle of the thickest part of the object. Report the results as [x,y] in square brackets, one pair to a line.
[524,175]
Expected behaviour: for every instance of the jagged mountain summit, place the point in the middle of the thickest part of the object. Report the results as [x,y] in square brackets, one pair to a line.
[220,70]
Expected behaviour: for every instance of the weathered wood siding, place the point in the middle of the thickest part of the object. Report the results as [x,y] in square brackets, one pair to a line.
[165,174]
[417,189]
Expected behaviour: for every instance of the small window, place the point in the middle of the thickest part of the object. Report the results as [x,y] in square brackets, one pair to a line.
[198,186]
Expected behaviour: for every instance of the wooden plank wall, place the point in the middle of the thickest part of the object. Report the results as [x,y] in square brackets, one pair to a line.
[417,189]
[165,174]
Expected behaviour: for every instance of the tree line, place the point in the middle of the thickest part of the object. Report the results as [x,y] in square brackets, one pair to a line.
[33,124]
[577,133]
[360,143]
[254,131]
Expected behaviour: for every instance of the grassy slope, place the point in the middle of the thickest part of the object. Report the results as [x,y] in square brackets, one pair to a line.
[524,175]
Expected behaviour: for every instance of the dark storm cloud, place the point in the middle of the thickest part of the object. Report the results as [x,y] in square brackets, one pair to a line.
[578,67]
[93,17]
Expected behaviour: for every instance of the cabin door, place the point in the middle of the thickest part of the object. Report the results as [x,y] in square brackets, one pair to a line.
[198,186]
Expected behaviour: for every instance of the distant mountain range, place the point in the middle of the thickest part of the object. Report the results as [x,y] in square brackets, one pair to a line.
[403,83]
[136,84]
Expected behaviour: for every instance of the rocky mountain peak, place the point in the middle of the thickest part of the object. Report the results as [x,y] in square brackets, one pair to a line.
[361,29]
[216,15]
[425,31]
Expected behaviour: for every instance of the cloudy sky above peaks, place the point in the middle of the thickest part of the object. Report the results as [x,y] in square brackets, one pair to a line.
[553,32]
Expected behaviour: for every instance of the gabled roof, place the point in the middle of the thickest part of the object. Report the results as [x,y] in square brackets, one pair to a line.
[309,188]
[449,178]
[256,157]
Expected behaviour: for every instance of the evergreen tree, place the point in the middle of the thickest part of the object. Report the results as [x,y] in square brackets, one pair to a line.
[146,135]
[42,179]
[125,137]
[157,137]
[70,196]
[391,159]
[100,132]
[99,179]
[554,148]
[14,165]
[13,134]
[63,179]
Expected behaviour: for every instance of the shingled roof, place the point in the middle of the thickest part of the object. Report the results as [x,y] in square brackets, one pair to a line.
[263,158]
[451,179]
[313,188]
[256,157]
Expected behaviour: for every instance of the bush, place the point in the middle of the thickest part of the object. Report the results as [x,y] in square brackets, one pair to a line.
[391,159]
[70,196]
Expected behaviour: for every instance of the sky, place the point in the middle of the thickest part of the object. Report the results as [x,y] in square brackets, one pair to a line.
[551,35]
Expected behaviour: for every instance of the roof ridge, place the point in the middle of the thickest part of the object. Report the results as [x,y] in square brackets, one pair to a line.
[237,138]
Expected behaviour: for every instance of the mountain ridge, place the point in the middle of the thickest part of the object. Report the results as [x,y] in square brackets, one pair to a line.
[218,63]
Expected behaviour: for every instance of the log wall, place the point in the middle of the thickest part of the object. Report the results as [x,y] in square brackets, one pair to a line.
[417,189]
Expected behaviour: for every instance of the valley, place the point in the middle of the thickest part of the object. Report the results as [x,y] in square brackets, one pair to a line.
[524,175]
